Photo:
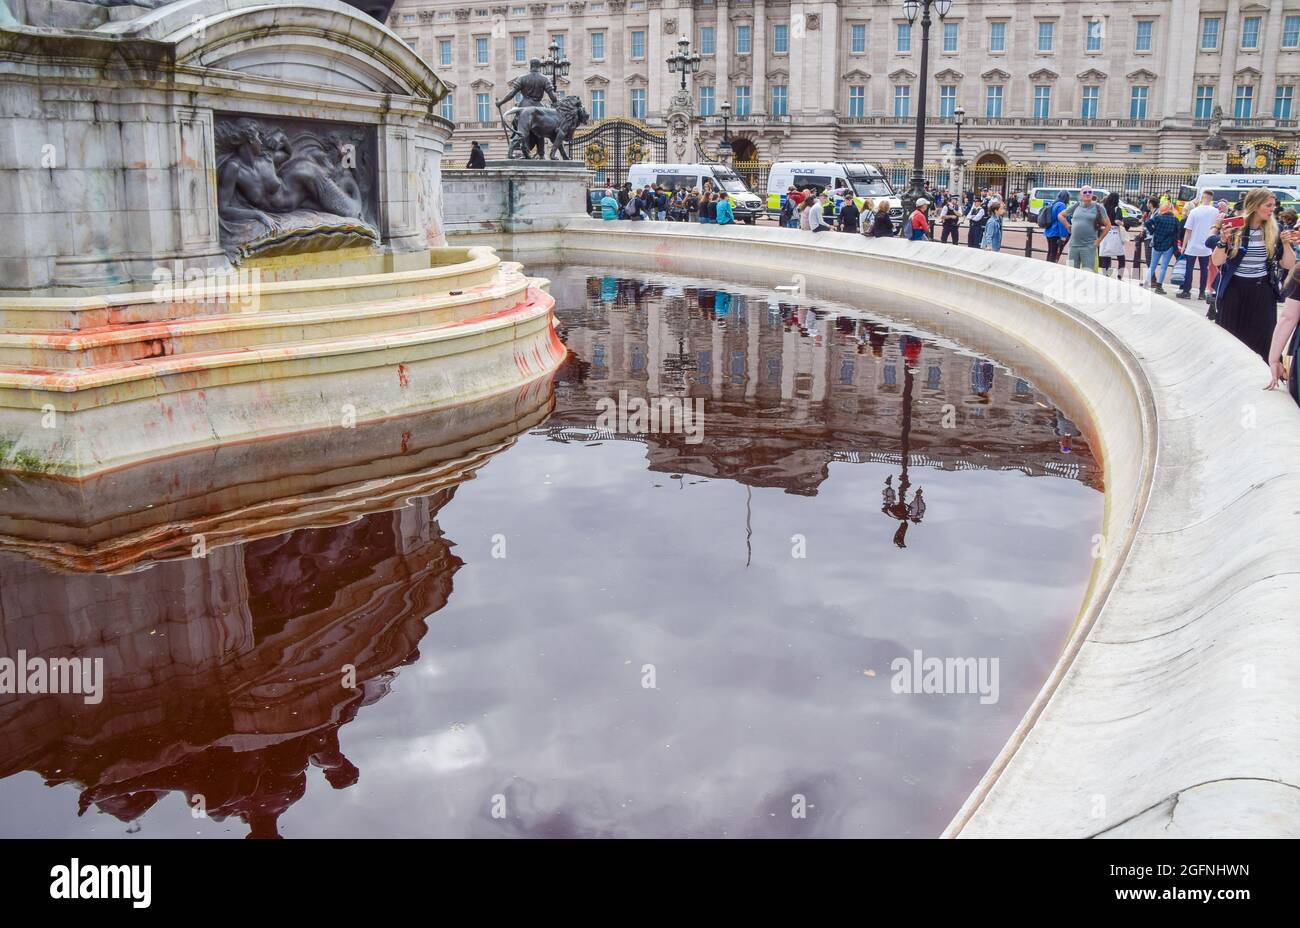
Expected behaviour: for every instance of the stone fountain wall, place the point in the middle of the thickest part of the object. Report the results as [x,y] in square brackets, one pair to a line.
[109,168]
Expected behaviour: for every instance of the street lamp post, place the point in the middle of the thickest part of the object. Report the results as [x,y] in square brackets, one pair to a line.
[556,65]
[958,156]
[724,150]
[959,115]
[684,62]
[911,8]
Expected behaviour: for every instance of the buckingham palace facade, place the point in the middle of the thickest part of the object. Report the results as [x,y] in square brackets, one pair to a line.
[1108,81]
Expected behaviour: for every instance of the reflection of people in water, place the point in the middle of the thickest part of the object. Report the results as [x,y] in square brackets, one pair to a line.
[981,378]
[1065,430]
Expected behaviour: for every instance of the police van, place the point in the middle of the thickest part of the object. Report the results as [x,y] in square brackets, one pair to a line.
[1232,187]
[746,206]
[864,180]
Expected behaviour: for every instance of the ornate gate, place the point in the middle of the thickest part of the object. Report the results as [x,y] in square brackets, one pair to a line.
[609,147]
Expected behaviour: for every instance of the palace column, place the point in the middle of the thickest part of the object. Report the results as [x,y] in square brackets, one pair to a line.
[759,56]
[722,37]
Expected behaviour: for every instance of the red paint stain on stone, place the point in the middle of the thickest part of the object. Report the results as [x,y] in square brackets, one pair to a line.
[406,442]
[401,376]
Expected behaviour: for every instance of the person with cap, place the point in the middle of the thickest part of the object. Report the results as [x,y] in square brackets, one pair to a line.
[977,217]
[919,226]
[1085,224]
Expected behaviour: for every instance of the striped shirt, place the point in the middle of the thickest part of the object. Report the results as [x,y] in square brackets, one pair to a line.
[1254,263]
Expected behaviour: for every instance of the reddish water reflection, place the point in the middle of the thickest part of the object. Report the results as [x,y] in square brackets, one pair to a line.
[941,505]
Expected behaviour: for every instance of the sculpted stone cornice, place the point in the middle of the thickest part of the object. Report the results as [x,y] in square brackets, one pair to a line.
[462,15]
[426,16]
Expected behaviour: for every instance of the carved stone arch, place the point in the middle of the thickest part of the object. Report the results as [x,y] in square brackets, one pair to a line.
[1248,73]
[1092,74]
[995,75]
[856,75]
[1141,76]
[482,84]
[290,41]
[949,76]
[636,80]
[901,74]
[1044,74]
[596,80]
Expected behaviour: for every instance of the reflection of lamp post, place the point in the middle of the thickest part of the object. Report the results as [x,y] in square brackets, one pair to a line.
[896,504]
[911,8]
[724,150]
[684,62]
[556,65]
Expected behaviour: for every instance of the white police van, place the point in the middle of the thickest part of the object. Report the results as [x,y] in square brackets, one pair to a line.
[746,206]
[864,180]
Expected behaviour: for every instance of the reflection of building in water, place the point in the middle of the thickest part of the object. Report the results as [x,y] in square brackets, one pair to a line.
[788,388]
[224,674]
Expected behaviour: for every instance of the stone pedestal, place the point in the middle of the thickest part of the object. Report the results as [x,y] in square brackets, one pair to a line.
[514,196]
[112,171]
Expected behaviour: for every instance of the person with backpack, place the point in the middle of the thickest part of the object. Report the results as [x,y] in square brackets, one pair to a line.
[788,220]
[1085,223]
[632,210]
[1164,230]
[1049,219]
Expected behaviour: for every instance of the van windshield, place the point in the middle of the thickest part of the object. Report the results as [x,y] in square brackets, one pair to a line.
[804,181]
[867,186]
[730,181]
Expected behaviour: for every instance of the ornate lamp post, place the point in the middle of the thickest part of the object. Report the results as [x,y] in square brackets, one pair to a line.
[681,108]
[724,150]
[556,65]
[911,8]
[684,62]
[958,156]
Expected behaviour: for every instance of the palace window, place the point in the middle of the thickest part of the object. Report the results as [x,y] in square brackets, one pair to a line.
[858,38]
[1291,32]
[993,101]
[598,46]
[444,52]
[1042,101]
[706,101]
[706,40]
[638,103]
[1091,96]
[1243,102]
[1204,101]
[904,43]
[744,40]
[949,37]
[480,50]
[598,104]
[1046,36]
[742,100]
[1137,103]
[1210,33]
[521,48]
[947,101]
[1250,33]
[857,100]
[449,108]
[638,43]
[1142,38]
[902,100]
[1282,101]
[1094,35]
[484,102]
[780,39]
[780,100]
[997,37]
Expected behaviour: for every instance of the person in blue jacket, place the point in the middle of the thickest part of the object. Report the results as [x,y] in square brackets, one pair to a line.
[725,215]
[609,205]
[1057,233]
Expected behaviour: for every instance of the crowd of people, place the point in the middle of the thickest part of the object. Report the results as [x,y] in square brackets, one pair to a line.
[656,202]
[1243,257]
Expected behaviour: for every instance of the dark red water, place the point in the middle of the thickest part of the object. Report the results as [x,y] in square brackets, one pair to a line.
[513,618]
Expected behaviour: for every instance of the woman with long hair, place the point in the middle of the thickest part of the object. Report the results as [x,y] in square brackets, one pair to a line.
[1248,256]
[1281,343]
